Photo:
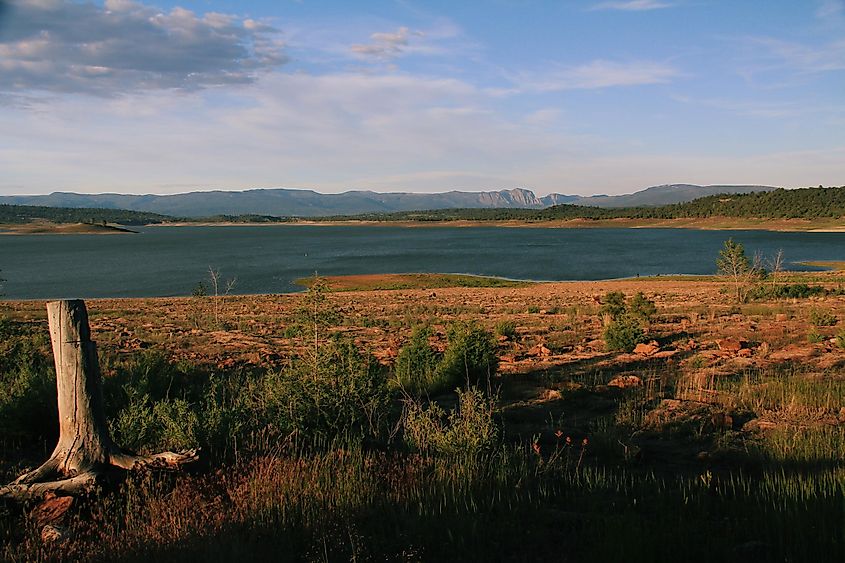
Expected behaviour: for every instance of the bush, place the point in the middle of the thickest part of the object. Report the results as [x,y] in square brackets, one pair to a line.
[470,357]
[170,424]
[467,431]
[788,291]
[417,362]
[28,408]
[642,307]
[623,334]
[822,318]
[506,328]
[813,337]
[840,339]
[343,393]
[613,305]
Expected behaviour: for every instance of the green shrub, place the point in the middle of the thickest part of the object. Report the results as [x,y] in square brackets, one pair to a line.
[613,304]
[623,334]
[506,328]
[466,431]
[822,318]
[641,307]
[170,424]
[813,337]
[417,362]
[343,393]
[788,291]
[28,408]
[470,357]
[840,339]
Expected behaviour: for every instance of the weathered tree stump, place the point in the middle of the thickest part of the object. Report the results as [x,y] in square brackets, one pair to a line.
[85,452]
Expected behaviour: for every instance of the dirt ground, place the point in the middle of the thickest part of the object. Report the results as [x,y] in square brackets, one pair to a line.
[698,336]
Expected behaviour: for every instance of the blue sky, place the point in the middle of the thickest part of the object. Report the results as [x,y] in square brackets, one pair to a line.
[576,97]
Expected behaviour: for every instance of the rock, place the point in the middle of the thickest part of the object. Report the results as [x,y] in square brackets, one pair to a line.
[756,425]
[665,354]
[54,534]
[539,350]
[744,353]
[625,381]
[731,344]
[794,352]
[51,509]
[552,395]
[644,349]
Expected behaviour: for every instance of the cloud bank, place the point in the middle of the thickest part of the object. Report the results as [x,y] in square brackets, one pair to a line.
[123,46]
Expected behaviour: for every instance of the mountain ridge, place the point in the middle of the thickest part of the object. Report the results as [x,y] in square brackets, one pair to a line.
[286,202]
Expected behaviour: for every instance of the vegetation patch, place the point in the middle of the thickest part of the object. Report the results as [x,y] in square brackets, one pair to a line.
[376,282]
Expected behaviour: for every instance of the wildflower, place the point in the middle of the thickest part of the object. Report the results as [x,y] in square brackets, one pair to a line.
[584,442]
[569,440]
[558,434]
[536,447]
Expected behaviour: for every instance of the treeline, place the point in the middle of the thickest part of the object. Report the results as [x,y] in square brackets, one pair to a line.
[21,214]
[803,203]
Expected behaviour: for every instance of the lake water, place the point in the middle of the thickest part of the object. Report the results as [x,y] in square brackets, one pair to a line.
[165,261]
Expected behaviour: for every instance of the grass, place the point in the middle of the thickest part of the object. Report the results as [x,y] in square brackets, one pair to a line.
[380,282]
[826,264]
[320,458]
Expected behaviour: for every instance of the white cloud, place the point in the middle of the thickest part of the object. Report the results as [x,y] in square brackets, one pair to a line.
[800,57]
[633,5]
[124,46]
[597,74]
[386,45]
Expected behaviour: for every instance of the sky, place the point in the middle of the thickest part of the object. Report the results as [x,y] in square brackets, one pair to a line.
[567,96]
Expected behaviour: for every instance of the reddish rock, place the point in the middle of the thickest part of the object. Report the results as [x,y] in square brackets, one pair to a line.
[625,381]
[540,350]
[51,509]
[731,344]
[646,349]
[665,354]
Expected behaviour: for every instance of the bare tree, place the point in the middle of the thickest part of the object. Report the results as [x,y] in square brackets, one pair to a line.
[776,265]
[85,453]
[220,294]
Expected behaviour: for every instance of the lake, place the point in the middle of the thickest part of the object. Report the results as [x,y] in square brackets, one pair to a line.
[166,261]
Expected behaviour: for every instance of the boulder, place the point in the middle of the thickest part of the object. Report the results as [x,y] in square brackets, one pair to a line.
[644,349]
[731,345]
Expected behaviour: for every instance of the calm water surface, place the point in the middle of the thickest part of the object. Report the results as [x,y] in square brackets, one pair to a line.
[164,261]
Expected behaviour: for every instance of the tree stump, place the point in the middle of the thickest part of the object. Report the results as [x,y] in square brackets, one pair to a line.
[85,452]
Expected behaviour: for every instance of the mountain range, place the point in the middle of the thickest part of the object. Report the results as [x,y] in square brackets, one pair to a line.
[284,202]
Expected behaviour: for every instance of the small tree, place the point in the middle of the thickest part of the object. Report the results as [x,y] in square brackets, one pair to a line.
[221,291]
[734,264]
[317,313]
[776,264]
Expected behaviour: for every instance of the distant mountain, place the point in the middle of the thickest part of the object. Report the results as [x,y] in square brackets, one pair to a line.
[285,202]
[664,195]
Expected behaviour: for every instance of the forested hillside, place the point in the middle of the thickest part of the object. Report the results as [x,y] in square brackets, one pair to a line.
[803,203]
[19,214]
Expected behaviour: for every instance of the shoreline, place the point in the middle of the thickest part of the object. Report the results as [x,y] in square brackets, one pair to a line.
[377,283]
[705,224]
